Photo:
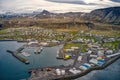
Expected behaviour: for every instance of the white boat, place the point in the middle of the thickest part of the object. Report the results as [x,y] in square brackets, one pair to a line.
[38,50]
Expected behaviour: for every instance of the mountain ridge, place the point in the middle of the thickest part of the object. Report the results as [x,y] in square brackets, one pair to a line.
[105,15]
[109,15]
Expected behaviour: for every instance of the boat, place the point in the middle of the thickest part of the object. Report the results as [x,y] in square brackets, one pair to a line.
[38,50]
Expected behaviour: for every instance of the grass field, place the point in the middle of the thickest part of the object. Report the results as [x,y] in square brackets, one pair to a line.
[69,45]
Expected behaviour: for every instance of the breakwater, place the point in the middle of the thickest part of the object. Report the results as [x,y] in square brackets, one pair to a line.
[18,57]
[40,71]
[109,62]
[14,53]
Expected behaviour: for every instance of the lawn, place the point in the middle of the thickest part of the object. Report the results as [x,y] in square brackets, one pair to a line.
[69,45]
[112,45]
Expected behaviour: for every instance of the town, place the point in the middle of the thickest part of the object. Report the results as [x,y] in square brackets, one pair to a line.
[59,39]
[88,52]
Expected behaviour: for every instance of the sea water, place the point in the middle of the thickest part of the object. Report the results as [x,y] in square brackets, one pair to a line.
[12,69]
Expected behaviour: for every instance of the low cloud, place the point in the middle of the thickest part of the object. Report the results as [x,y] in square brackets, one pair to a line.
[58,6]
[68,1]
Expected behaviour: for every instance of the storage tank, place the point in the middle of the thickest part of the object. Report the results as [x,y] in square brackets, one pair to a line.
[63,72]
[58,72]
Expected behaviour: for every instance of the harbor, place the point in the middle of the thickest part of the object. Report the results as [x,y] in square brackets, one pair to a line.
[36,60]
[71,71]
[86,58]
[95,57]
[20,49]
[60,40]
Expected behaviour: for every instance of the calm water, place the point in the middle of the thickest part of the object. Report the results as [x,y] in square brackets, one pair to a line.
[13,69]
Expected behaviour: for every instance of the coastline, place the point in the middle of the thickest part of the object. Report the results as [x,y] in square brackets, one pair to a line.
[74,76]
[91,69]
[15,40]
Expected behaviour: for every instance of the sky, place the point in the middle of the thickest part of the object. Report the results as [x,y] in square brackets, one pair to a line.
[57,6]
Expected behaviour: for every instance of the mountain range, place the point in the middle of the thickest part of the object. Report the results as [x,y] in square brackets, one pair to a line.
[106,15]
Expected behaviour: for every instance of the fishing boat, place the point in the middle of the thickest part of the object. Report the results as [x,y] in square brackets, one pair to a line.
[38,50]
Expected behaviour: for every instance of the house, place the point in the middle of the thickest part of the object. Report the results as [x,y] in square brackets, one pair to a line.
[93,56]
[109,51]
[75,48]
[111,39]
[100,53]
[97,62]
[74,71]
[85,66]
[55,41]
[69,50]
[80,58]
[33,42]
[89,52]
[43,43]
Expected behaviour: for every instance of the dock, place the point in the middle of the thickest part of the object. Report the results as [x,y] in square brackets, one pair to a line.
[14,53]
[20,49]
[18,57]
[72,71]
[60,54]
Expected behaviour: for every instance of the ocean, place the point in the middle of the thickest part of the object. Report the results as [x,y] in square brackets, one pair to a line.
[13,69]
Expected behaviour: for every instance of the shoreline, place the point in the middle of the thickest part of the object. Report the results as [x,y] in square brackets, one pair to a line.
[74,76]
[91,69]
[15,40]
[68,77]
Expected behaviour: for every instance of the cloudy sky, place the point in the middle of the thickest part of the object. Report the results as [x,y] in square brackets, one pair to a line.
[58,6]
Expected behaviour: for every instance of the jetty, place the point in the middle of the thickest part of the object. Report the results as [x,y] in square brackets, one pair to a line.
[20,49]
[60,54]
[18,57]
[14,53]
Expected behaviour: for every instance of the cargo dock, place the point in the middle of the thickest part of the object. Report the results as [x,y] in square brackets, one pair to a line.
[14,53]
[73,71]
[20,49]
[18,57]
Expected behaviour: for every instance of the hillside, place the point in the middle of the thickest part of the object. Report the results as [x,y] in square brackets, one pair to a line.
[106,15]
[100,19]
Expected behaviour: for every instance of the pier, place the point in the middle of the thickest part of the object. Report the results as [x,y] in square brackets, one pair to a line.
[60,54]
[14,53]
[18,57]
[72,71]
